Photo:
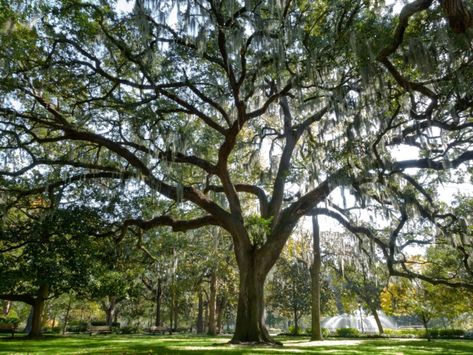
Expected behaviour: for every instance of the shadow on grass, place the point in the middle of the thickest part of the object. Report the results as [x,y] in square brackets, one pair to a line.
[181,344]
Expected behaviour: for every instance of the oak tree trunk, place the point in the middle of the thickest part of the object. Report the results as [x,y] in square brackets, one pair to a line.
[212,303]
[315,284]
[159,291]
[250,326]
[425,322]
[110,310]
[176,314]
[66,315]
[221,303]
[38,309]
[200,314]
[378,321]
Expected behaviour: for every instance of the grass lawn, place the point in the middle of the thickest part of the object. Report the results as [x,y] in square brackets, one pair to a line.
[181,344]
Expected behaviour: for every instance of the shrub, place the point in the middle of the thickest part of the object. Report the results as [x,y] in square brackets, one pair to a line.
[404,333]
[292,330]
[325,332]
[98,322]
[348,332]
[9,320]
[127,329]
[446,333]
[420,333]
[77,327]
[52,330]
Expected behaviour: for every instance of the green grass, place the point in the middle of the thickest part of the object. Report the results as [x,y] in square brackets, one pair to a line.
[181,344]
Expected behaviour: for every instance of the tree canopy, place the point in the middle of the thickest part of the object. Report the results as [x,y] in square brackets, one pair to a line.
[244,115]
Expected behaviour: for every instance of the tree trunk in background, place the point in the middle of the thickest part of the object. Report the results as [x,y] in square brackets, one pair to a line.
[315,285]
[6,305]
[200,315]
[425,322]
[29,321]
[38,309]
[110,310]
[221,303]
[296,321]
[159,292]
[376,318]
[212,303]
[66,316]
[206,314]
[294,309]
[176,314]
[171,317]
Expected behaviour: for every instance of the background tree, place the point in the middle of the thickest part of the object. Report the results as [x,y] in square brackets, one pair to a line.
[46,253]
[289,288]
[115,278]
[179,112]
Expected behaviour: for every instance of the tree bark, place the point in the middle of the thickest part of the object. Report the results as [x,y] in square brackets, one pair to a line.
[425,322]
[212,302]
[66,316]
[6,307]
[159,292]
[38,308]
[29,321]
[110,310]
[460,18]
[221,303]
[378,321]
[294,309]
[296,322]
[206,315]
[176,314]
[250,327]
[315,285]
[200,315]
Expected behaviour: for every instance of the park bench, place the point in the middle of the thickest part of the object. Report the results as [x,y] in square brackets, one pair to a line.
[8,327]
[158,330]
[99,329]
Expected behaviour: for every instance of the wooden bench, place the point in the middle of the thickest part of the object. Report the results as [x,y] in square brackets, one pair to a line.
[158,330]
[99,329]
[8,327]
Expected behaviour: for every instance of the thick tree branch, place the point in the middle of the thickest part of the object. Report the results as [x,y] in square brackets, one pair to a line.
[427,163]
[251,189]
[18,297]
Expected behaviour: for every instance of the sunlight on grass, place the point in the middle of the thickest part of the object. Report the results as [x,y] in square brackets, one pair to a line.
[182,344]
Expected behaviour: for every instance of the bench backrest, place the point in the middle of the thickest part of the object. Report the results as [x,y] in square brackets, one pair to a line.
[99,327]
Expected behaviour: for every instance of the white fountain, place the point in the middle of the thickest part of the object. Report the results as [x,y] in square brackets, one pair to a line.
[359,320]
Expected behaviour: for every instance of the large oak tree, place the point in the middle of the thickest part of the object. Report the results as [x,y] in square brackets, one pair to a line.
[210,106]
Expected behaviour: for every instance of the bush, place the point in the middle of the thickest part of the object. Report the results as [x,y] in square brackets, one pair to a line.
[325,332]
[52,330]
[10,320]
[293,331]
[128,330]
[347,333]
[404,333]
[446,333]
[102,322]
[469,334]
[77,327]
